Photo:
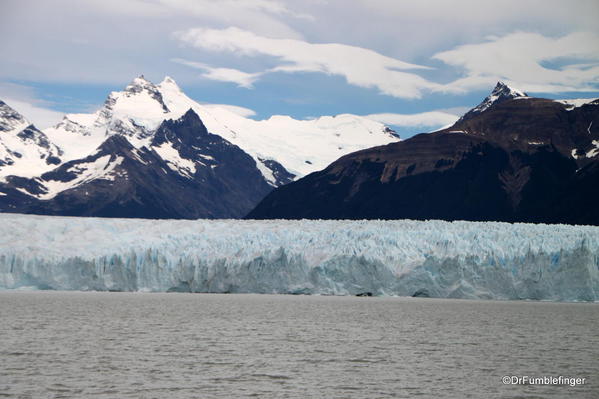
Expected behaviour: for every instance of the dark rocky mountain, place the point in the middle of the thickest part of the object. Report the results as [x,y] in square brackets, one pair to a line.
[512,158]
[185,172]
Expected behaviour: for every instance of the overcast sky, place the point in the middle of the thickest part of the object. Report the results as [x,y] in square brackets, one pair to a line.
[413,64]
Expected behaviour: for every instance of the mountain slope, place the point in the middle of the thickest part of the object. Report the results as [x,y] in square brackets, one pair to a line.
[151,151]
[517,159]
[185,172]
[24,150]
[282,147]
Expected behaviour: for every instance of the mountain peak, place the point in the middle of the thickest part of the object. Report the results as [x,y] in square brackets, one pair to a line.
[186,129]
[503,90]
[138,84]
[190,119]
[115,144]
[191,115]
[169,81]
[169,85]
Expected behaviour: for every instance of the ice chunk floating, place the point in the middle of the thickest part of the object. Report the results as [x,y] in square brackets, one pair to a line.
[431,258]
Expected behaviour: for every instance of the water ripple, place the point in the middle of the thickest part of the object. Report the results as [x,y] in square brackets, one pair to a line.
[132,345]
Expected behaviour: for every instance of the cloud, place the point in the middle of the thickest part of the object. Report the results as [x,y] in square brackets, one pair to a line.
[223,8]
[423,119]
[242,79]
[359,66]
[410,29]
[242,111]
[82,47]
[521,59]
[489,14]
[517,58]
[109,41]
[258,15]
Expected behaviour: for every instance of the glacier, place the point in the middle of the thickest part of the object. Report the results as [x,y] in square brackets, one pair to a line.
[485,260]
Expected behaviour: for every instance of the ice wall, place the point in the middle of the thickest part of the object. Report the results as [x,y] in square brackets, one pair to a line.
[432,258]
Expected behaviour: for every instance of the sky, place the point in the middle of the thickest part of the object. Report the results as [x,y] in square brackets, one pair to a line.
[415,65]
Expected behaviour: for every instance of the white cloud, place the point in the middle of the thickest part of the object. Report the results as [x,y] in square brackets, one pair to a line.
[359,66]
[242,111]
[409,29]
[518,59]
[110,41]
[422,119]
[242,79]
[107,42]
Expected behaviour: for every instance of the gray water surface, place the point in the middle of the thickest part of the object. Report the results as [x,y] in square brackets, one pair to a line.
[142,345]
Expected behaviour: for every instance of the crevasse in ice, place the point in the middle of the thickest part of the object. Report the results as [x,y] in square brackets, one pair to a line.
[428,258]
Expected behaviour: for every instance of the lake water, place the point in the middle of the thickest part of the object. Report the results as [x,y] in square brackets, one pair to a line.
[142,345]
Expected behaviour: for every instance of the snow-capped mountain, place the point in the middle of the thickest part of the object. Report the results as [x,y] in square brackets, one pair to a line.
[24,150]
[502,92]
[151,151]
[280,142]
[184,172]
[511,158]
[528,121]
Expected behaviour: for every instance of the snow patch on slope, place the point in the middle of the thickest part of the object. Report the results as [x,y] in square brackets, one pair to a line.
[574,103]
[183,166]
[24,150]
[593,152]
[22,156]
[101,168]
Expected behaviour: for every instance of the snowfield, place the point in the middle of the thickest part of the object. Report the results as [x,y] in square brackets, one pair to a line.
[428,258]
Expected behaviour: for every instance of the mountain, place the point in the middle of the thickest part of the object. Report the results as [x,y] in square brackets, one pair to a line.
[185,172]
[500,93]
[24,150]
[283,148]
[152,152]
[512,158]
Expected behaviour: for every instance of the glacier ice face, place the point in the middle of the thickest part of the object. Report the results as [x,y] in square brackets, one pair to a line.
[430,258]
